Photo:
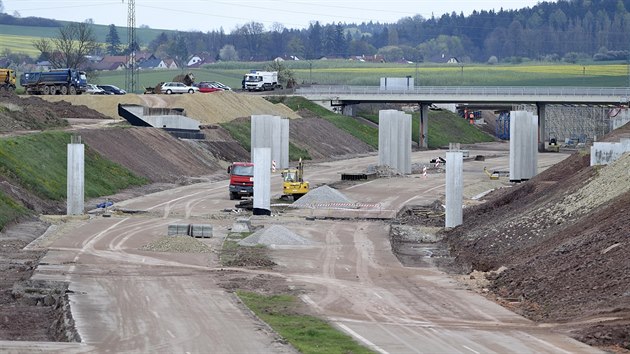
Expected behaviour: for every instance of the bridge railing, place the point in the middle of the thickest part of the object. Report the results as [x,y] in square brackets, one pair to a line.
[466,90]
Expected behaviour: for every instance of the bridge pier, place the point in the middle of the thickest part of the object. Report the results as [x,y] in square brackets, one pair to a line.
[347,110]
[541,110]
[423,135]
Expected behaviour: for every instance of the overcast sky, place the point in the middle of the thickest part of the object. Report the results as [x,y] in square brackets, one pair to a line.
[209,15]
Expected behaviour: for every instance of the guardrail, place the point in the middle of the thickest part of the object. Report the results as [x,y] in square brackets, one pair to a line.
[466,90]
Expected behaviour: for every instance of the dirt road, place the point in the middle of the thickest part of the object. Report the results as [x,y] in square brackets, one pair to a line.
[129,299]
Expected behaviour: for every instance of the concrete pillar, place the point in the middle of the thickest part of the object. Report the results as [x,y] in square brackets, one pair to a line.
[542,136]
[423,141]
[384,137]
[534,146]
[75,177]
[523,145]
[262,180]
[394,140]
[454,188]
[284,153]
[272,132]
[347,110]
[276,140]
[409,140]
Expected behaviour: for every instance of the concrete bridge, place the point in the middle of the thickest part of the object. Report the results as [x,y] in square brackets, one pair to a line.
[345,97]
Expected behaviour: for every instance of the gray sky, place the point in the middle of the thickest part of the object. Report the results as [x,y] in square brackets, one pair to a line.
[208,15]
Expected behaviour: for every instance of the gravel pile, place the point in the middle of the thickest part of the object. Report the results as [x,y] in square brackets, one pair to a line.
[321,195]
[610,182]
[275,235]
[178,244]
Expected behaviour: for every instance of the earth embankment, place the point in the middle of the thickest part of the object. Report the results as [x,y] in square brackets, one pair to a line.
[212,108]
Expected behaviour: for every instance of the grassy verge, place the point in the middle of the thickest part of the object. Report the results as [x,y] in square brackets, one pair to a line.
[38,162]
[365,133]
[241,132]
[234,255]
[306,333]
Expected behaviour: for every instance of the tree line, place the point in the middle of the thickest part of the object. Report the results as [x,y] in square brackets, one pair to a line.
[567,30]
[564,30]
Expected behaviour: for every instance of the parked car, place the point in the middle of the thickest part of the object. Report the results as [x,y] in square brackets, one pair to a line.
[177,87]
[94,90]
[206,87]
[112,90]
[217,84]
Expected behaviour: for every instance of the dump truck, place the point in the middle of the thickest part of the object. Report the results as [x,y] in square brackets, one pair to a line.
[7,80]
[55,81]
[293,183]
[241,180]
[261,81]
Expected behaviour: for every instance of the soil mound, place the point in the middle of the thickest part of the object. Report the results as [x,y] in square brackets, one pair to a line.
[563,237]
[217,107]
[33,113]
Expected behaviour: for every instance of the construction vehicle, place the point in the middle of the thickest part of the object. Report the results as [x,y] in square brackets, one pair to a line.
[293,184]
[241,180]
[7,80]
[494,175]
[56,81]
[553,143]
[261,81]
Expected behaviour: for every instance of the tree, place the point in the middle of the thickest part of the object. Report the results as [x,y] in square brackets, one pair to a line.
[113,41]
[391,53]
[228,53]
[70,47]
[285,75]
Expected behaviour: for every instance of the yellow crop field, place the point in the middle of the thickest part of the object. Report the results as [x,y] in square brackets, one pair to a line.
[19,44]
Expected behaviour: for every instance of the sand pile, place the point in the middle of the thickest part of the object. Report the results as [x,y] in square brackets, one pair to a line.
[217,107]
[322,195]
[275,235]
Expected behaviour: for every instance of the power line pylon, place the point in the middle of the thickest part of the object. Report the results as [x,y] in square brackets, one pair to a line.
[132,71]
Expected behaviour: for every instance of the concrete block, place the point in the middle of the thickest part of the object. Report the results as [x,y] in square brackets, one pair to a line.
[178,229]
[242,225]
[201,230]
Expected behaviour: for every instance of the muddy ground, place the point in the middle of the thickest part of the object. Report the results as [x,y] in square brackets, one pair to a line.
[566,258]
[564,238]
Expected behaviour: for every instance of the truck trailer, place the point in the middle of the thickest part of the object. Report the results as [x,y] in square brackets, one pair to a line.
[261,81]
[53,82]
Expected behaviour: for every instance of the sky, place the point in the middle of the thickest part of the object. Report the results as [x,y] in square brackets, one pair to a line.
[186,15]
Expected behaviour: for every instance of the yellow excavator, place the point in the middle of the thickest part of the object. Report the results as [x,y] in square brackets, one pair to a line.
[293,184]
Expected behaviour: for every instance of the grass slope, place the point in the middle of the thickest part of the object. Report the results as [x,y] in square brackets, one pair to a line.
[38,162]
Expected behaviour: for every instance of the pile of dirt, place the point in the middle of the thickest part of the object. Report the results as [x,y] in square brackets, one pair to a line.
[152,153]
[32,113]
[563,237]
[33,311]
[217,107]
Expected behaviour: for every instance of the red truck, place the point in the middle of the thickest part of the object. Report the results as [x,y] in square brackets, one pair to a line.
[241,180]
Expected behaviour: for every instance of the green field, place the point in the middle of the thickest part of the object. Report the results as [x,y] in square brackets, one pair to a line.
[31,34]
[346,72]
[352,73]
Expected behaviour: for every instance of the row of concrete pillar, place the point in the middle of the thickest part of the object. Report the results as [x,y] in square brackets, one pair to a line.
[270,142]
